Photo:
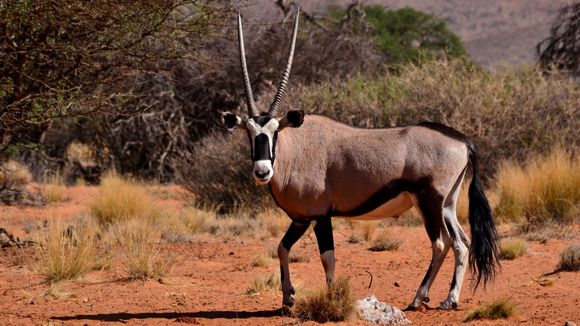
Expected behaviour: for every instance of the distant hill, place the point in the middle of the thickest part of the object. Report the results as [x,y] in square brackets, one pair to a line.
[493,31]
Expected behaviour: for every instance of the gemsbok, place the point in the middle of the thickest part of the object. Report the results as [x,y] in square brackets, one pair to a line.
[317,168]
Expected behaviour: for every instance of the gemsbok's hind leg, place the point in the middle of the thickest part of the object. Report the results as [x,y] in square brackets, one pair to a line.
[323,232]
[460,246]
[440,242]
[295,232]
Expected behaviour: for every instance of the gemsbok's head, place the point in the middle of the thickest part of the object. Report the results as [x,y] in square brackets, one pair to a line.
[263,127]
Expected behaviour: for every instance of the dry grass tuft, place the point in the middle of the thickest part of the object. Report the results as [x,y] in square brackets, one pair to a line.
[361,230]
[14,175]
[544,189]
[384,242]
[570,259]
[499,309]
[56,291]
[54,193]
[141,256]
[263,284]
[261,260]
[121,199]
[274,222]
[67,251]
[334,302]
[513,248]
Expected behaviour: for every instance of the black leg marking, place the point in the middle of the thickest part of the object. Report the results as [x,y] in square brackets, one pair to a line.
[323,232]
[295,232]
[432,210]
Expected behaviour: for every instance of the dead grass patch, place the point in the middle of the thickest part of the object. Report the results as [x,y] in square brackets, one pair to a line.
[56,291]
[121,199]
[274,222]
[67,251]
[334,302]
[551,231]
[14,174]
[54,190]
[142,259]
[499,309]
[570,259]
[513,248]
[545,189]
[361,230]
[261,260]
[263,284]
[384,241]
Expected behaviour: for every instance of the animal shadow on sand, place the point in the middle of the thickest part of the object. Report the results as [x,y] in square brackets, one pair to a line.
[125,316]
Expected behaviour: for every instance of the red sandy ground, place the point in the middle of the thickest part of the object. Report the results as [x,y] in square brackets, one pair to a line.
[210,276]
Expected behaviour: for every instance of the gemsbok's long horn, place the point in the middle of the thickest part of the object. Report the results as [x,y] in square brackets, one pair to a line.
[247,87]
[286,74]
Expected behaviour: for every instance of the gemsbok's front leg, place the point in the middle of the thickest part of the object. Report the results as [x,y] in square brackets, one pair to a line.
[323,231]
[295,231]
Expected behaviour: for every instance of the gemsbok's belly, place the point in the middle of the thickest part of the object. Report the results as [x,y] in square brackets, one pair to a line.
[392,208]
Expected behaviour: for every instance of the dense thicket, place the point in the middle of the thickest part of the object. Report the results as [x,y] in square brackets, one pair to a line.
[62,58]
[509,114]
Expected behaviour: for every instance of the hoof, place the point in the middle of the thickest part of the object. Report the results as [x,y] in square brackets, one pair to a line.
[288,298]
[411,308]
[421,307]
[286,311]
[288,301]
[446,305]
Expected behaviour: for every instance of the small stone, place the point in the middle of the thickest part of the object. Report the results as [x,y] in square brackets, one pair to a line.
[397,284]
[569,323]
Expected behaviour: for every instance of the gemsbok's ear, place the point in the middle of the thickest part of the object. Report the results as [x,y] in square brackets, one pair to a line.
[293,118]
[231,121]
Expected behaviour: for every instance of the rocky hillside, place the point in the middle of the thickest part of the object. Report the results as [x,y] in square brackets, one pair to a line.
[494,31]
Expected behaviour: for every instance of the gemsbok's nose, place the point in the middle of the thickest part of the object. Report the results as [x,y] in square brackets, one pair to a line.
[261,175]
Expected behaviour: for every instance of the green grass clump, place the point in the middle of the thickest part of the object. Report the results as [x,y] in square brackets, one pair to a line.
[513,248]
[499,309]
[570,259]
[334,302]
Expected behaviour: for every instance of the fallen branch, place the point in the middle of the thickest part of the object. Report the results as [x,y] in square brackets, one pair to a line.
[13,241]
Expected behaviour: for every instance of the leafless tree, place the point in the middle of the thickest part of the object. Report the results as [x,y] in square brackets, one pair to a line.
[561,50]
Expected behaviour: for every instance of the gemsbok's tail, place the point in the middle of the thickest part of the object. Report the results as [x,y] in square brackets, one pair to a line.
[484,250]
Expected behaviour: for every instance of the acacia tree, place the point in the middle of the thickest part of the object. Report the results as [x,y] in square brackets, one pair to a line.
[561,50]
[68,57]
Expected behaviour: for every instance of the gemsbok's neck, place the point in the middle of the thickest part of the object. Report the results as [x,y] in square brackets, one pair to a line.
[283,164]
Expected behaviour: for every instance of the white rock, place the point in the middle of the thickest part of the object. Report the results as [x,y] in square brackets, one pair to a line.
[371,309]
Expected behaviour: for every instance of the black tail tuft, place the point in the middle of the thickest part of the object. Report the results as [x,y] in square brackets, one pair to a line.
[484,250]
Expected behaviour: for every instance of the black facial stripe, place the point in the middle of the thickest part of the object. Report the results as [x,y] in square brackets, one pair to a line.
[275,138]
[262,148]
